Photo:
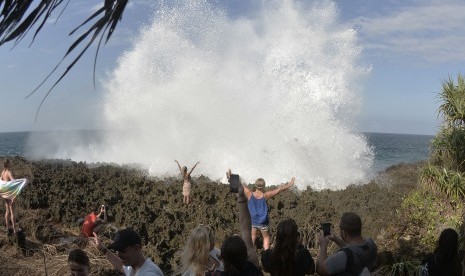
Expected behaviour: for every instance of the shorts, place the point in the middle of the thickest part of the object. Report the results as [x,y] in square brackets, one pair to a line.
[261,227]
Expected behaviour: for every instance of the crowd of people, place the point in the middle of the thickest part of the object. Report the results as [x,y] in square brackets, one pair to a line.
[238,253]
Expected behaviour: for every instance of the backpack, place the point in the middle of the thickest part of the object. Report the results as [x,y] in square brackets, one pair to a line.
[351,269]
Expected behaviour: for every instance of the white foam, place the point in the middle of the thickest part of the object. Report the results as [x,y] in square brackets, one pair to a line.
[272,95]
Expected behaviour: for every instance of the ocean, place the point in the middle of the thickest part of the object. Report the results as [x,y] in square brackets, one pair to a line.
[389,149]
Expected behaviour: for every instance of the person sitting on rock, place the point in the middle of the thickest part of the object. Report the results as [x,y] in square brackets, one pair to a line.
[357,254]
[78,263]
[130,259]
[258,207]
[94,223]
[186,176]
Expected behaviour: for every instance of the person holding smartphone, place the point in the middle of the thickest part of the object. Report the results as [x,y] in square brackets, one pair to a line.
[93,223]
[356,254]
[258,208]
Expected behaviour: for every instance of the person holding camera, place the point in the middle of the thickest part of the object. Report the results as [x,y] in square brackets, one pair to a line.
[94,223]
[258,208]
[238,252]
[356,255]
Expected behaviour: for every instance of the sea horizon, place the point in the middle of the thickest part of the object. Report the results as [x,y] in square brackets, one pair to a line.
[388,148]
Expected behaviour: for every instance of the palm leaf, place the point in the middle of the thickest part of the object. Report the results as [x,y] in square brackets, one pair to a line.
[17,18]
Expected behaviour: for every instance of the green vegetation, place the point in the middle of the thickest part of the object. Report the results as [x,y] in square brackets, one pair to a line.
[445,173]
[436,203]
[401,268]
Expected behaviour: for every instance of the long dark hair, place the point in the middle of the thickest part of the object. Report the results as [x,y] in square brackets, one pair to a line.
[446,251]
[6,163]
[234,254]
[284,253]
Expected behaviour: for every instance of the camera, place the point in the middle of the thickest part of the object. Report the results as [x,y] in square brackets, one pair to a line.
[326,227]
[234,183]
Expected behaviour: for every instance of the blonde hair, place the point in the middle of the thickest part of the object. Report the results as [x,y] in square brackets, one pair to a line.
[195,254]
[260,185]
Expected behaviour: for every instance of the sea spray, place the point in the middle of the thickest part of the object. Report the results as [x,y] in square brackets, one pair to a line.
[271,94]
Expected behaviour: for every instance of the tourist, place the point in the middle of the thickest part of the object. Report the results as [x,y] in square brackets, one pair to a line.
[445,260]
[238,254]
[78,263]
[94,223]
[288,257]
[9,189]
[357,254]
[197,258]
[130,259]
[258,207]
[186,176]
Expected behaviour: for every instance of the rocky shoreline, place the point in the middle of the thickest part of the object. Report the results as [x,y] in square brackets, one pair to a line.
[61,192]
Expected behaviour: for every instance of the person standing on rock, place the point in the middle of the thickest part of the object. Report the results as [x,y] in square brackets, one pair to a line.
[186,176]
[258,207]
[130,259]
[9,189]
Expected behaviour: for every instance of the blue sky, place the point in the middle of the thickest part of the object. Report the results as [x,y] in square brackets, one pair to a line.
[411,47]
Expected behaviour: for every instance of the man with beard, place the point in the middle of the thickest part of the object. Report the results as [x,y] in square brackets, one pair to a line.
[130,259]
[357,254]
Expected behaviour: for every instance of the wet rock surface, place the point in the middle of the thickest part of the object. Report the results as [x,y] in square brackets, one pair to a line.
[61,193]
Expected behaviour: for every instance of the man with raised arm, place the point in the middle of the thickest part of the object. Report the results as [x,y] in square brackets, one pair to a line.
[356,255]
[130,260]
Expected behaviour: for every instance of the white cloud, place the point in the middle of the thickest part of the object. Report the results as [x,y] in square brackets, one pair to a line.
[430,31]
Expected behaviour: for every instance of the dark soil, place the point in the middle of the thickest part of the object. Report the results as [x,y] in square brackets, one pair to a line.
[63,192]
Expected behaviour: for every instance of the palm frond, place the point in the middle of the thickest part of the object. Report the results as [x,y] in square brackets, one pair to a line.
[17,18]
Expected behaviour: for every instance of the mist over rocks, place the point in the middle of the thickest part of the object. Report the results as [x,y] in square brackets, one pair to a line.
[62,192]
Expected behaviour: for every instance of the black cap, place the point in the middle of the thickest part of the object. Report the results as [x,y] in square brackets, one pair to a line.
[124,238]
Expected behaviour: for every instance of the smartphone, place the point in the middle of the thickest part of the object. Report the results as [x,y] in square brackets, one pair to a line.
[326,227]
[234,183]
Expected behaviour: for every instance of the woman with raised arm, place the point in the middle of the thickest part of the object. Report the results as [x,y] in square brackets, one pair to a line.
[9,189]
[186,176]
[238,253]
[258,207]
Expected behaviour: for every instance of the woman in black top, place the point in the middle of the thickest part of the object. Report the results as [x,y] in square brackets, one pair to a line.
[238,253]
[287,258]
[445,260]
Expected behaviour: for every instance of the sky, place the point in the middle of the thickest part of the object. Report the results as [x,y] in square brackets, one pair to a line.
[411,46]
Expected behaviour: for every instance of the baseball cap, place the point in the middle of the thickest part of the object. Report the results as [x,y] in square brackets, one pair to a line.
[124,238]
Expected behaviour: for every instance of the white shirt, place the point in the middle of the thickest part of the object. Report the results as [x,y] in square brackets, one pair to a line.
[147,269]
